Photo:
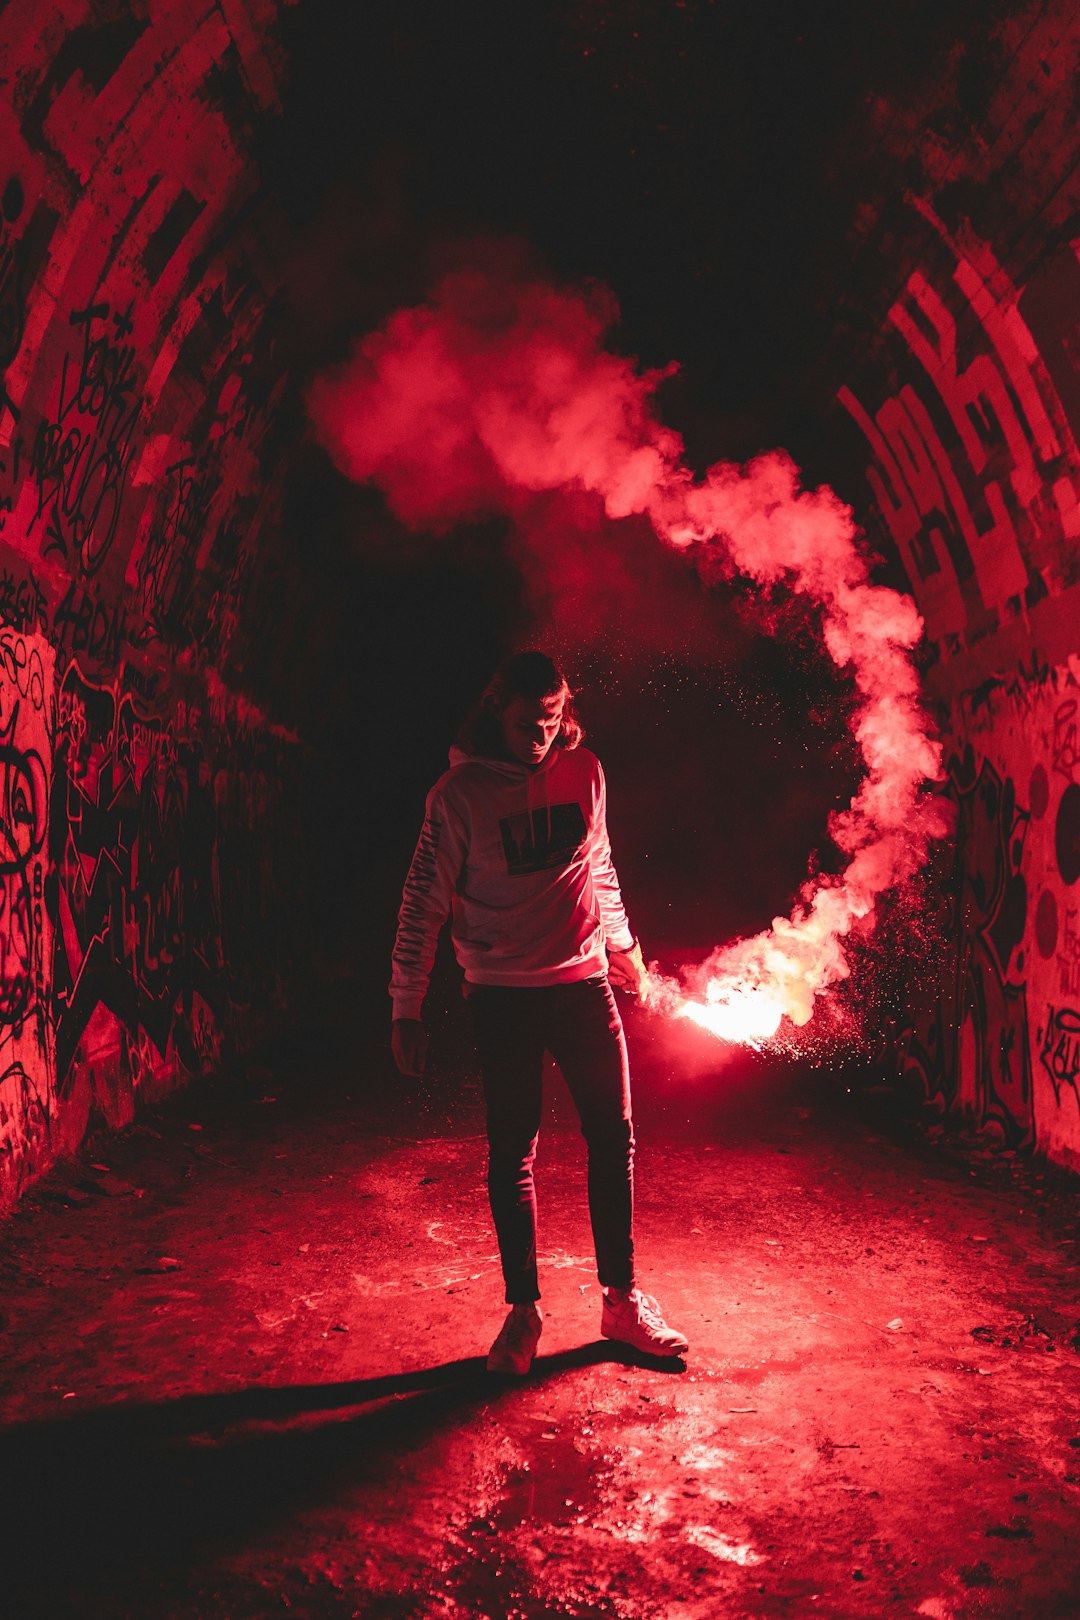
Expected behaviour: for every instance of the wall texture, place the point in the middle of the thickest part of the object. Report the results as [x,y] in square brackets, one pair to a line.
[957,351]
[142,590]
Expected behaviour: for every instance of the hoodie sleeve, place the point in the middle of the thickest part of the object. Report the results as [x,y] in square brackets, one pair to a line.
[425,903]
[618,933]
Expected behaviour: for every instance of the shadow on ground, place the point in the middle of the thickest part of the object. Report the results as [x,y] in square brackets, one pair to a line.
[166,1483]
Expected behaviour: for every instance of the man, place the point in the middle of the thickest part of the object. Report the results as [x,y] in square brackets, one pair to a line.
[515,848]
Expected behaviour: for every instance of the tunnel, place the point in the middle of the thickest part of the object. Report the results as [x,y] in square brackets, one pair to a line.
[726,355]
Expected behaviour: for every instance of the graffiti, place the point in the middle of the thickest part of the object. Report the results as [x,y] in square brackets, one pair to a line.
[139,457]
[199,1038]
[22,602]
[12,323]
[974,475]
[7,503]
[12,307]
[1028,681]
[1068,958]
[967,1041]
[142,683]
[80,459]
[26,1046]
[166,571]
[1059,1047]
[225,607]
[1065,751]
[23,810]
[21,664]
[78,624]
[136,839]
[25,1112]
[1022,690]
[83,625]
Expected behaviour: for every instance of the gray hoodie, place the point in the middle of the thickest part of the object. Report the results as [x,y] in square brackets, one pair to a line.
[519,858]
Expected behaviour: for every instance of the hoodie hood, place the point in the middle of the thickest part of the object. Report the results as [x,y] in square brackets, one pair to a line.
[514,770]
[533,778]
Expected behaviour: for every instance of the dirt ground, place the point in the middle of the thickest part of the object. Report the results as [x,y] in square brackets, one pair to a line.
[244,1371]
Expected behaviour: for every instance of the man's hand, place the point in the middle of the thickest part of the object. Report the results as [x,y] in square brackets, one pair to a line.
[409,1043]
[626,970]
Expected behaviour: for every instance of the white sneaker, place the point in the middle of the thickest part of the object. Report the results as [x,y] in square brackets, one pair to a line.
[515,1346]
[634,1318]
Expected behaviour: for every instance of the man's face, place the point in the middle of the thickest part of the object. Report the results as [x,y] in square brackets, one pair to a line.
[530,726]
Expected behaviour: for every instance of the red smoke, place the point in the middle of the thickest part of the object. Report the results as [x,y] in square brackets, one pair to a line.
[498,390]
[494,389]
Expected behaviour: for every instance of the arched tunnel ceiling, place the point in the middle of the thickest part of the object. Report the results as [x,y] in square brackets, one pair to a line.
[248,188]
[144,415]
[757,191]
[707,162]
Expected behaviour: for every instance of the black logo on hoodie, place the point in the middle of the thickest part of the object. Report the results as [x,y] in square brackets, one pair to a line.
[535,840]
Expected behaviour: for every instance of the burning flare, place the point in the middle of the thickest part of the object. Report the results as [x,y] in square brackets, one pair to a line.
[750,1016]
[499,389]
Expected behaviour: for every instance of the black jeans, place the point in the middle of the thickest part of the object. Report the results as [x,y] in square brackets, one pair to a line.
[579,1025]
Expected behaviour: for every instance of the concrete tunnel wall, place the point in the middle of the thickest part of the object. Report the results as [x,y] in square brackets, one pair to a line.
[147,738]
[954,355]
[146,595]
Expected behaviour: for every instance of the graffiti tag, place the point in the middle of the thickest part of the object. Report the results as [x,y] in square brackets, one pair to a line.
[22,603]
[81,458]
[22,665]
[83,625]
[167,569]
[1059,1050]
[23,814]
[961,463]
[1068,960]
[1065,751]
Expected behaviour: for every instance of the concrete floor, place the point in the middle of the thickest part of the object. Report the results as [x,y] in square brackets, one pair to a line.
[243,1368]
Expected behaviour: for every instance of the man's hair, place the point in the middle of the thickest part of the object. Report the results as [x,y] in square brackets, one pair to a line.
[531,675]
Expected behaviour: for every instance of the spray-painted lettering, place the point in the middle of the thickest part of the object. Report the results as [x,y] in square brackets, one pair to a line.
[148,843]
[25,926]
[1065,750]
[1059,1048]
[82,624]
[21,664]
[1068,958]
[167,568]
[968,516]
[81,456]
[23,816]
[22,602]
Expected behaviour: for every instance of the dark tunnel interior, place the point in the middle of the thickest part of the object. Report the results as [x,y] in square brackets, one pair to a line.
[703,166]
[730,354]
